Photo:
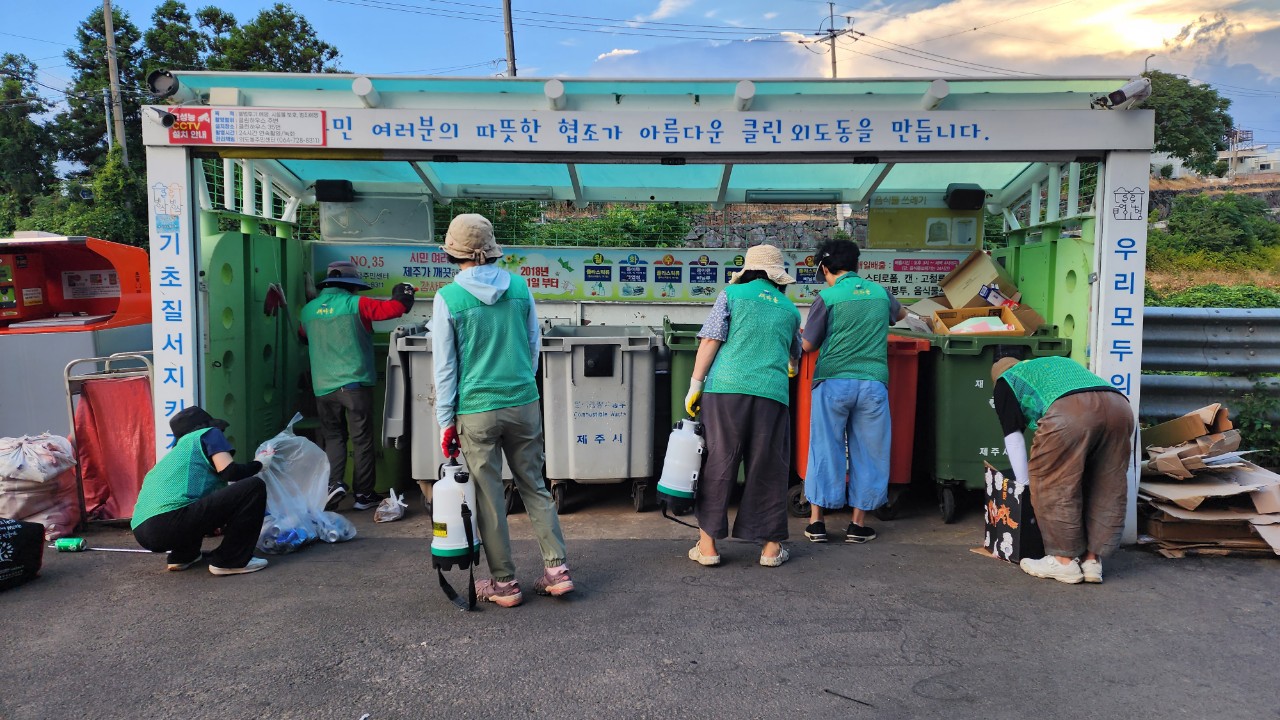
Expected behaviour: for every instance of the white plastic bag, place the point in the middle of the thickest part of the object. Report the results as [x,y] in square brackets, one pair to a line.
[38,483]
[390,509]
[35,457]
[296,472]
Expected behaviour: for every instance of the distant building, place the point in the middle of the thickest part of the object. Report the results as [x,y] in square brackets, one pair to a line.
[1177,170]
[1251,160]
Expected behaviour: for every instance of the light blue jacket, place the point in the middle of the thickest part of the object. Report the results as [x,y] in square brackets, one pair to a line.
[487,283]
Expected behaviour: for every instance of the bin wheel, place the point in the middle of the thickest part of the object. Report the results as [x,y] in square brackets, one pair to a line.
[890,509]
[557,496]
[947,504]
[639,496]
[511,498]
[797,503]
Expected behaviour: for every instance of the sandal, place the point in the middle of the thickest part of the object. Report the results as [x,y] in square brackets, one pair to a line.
[695,554]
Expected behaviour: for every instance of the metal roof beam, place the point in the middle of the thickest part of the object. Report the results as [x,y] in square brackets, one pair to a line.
[872,183]
[434,186]
[578,200]
[724,187]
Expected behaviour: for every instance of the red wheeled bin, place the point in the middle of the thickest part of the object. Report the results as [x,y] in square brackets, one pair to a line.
[904,364]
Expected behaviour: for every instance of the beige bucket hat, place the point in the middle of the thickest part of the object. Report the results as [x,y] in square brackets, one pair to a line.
[470,237]
[1001,366]
[767,258]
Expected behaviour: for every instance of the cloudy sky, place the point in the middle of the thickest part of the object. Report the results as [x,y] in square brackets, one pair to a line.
[1229,43]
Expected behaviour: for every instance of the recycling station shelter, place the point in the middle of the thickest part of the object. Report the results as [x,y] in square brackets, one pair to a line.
[233,157]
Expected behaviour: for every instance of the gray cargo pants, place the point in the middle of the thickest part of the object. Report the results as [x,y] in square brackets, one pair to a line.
[517,431]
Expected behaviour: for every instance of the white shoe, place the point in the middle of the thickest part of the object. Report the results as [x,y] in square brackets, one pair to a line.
[1049,567]
[696,555]
[775,560]
[255,564]
[1092,570]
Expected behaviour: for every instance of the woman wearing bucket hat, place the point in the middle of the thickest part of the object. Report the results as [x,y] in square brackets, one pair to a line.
[197,488]
[485,341]
[338,327]
[740,385]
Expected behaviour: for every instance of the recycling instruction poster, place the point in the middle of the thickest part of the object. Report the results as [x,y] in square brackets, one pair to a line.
[629,274]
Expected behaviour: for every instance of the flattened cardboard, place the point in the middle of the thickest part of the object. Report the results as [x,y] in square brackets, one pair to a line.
[1205,421]
[1264,485]
[1190,495]
[962,285]
[923,310]
[943,320]
[1185,460]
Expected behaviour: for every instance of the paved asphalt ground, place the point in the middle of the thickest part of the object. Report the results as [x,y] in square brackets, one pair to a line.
[911,625]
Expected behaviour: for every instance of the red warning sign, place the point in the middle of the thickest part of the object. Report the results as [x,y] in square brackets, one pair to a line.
[191,126]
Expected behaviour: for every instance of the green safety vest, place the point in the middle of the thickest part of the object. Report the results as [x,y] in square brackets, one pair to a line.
[183,476]
[1036,383]
[857,341]
[495,369]
[341,347]
[762,327]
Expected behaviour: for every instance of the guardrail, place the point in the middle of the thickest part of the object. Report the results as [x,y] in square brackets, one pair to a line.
[1219,340]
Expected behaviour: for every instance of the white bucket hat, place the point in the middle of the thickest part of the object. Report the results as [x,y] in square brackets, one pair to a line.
[767,258]
[470,237]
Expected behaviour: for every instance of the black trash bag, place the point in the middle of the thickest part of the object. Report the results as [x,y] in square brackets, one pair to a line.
[21,552]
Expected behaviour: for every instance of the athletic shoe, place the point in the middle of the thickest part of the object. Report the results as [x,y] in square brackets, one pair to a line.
[1092,570]
[504,594]
[180,565]
[365,502]
[1049,567]
[859,533]
[776,560]
[816,532]
[554,583]
[705,560]
[255,564]
[335,498]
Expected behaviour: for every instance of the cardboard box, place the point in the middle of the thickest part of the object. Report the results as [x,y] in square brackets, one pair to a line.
[1011,529]
[920,313]
[963,285]
[943,320]
[1207,420]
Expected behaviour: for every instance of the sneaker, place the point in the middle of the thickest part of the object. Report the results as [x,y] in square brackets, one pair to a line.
[859,533]
[180,565]
[502,594]
[705,560]
[816,532]
[255,564]
[365,502]
[554,583]
[1092,570]
[1049,567]
[335,498]
[775,560]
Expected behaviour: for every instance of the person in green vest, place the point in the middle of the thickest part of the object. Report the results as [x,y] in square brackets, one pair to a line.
[740,386]
[197,488]
[1080,458]
[338,327]
[850,432]
[485,342]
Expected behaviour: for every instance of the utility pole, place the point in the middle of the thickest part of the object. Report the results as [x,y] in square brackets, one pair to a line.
[114,71]
[832,34]
[511,38]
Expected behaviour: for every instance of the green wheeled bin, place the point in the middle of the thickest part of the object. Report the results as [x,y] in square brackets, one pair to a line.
[956,382]
[682,340]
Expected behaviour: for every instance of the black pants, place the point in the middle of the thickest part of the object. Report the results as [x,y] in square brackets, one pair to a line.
[756,431]
[236,509]
[342,411]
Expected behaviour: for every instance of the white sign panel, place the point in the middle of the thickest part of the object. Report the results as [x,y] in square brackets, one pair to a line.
[665,132]
[173,290]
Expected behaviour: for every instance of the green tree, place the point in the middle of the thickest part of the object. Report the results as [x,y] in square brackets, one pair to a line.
[278,39]
[1191,120]
[1229,225]
[26,149]
[81,130]
[173,42]
[110,207]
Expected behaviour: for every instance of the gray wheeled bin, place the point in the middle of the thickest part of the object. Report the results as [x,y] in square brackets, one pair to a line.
[409,413]
[597,406]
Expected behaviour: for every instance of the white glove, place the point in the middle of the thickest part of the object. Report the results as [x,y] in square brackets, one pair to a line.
[693,399]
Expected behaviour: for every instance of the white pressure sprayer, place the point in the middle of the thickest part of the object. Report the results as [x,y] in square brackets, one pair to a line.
[680,469]
[454,540]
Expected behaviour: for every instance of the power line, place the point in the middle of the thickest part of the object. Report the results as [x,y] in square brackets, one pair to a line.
[724,34]
[890,60]
[997,22]
[27,37]
[944,59]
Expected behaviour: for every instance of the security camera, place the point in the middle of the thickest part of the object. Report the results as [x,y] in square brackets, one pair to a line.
[1133,92]
[163,118]
[163,84]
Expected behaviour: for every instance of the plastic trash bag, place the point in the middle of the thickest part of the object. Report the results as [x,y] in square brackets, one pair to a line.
[38,483]
[296,472]
[390,509]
